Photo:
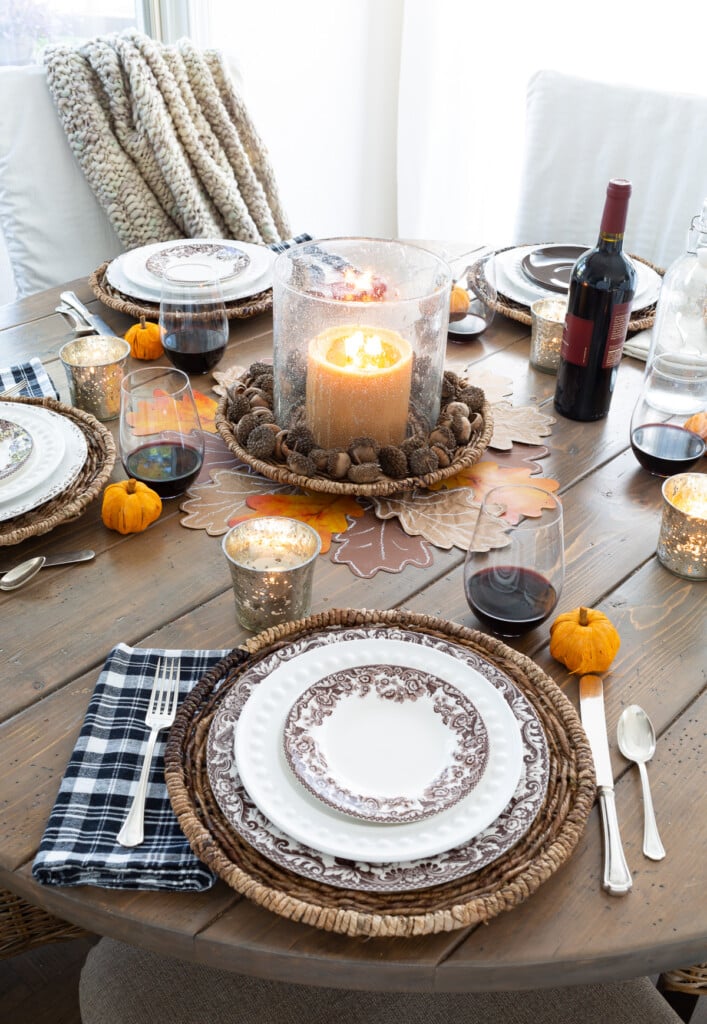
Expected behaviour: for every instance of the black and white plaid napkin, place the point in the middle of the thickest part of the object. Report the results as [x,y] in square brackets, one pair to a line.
[36,379]
[289,242]
[79,845]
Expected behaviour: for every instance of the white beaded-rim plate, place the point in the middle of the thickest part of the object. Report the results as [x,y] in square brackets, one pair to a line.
[274,789]
[386,743]
[71,447]
[396,876]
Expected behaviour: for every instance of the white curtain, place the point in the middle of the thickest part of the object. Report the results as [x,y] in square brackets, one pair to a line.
[406,117]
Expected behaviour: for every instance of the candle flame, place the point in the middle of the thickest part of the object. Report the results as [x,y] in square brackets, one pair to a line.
[367,352]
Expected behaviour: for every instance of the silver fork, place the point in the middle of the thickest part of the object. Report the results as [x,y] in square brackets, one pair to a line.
[161,713]
[14,389]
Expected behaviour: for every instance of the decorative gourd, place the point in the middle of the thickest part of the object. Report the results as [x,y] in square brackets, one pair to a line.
[584,640]
[458,302]
[697,424]
[129,506]
[145,340]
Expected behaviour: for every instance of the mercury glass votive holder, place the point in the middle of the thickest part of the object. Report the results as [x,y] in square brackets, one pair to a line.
[95,367]
[547,324]
[272,565]
[682,544]
[360,335]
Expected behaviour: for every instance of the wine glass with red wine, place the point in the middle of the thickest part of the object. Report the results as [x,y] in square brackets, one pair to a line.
[674,388]
[161,442]
[192,317]
[513,589]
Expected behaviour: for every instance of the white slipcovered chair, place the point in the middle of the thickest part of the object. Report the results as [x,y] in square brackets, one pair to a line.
[53,226]
[581,133]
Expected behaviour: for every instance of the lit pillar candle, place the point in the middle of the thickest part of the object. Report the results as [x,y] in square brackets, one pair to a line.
[358,385]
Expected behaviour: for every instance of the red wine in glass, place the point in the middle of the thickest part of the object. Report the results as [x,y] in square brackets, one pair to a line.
[168,467]
[508,599]
[196,350]
[664,448]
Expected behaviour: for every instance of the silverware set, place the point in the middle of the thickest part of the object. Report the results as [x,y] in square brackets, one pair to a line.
[636,739]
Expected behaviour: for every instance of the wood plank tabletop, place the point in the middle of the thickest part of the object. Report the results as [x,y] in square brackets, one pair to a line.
[55,634]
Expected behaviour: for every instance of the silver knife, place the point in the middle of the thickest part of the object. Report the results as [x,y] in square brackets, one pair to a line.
[96,322]
[63,558]
[617,877]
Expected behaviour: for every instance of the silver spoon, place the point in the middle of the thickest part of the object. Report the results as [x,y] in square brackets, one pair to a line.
[637,743]
[22,573]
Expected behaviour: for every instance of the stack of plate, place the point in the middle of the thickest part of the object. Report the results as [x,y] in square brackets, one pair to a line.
[525,273]
[243,269]
[376,763]
[41,455]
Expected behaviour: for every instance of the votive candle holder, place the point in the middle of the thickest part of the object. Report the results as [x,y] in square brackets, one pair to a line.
[95,367]
[547,324]
[271,560]
[682,544]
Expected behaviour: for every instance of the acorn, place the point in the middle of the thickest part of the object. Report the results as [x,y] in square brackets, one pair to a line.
[320,458]
[301,439]
[477,422]
[301,464]
[237,406]
[245,425]
[443,435]
[261,441]
[413,442]
[423,461]
[457,409]
[338,465]
[393,461]
[450,385]
[444,455]
[473,397]
[364,473]
[461,427]
[258,368]
[265,382]
[363,449]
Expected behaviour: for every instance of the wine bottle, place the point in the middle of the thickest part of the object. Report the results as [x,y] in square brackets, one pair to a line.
[602,287]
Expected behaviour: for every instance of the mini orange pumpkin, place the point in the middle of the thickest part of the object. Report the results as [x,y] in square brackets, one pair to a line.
[129,506]
[698,424]
[584,640]
[458,302]
[145,340]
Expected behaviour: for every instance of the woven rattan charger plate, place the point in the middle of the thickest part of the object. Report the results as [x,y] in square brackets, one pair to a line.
[639,321]
[466,455]
[472,900]
[242,309]
[73,501]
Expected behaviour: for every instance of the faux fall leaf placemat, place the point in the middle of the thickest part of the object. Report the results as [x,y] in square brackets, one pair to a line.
[382,534]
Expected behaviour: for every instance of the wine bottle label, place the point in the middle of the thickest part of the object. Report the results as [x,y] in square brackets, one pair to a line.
[618,325]
[577,337]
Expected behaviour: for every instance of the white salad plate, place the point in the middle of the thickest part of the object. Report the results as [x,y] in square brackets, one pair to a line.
[223,261]
[384,743]
[275,790]
[16,446]
[129,274]
[512,282]
[283,850]
[61,451]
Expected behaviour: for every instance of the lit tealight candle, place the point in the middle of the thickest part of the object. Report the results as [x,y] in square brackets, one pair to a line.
[682,545]
[548,320]
[272,563]
[358,385]
[95,367]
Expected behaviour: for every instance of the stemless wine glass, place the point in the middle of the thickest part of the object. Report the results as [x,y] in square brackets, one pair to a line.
[192,317]
[513,589]
[161,442]
[474,271]
[673,389]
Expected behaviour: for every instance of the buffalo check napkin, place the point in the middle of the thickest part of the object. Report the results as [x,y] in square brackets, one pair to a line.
[36,379]
[79,845]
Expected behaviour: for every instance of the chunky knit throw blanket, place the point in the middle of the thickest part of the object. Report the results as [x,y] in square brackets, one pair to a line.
[165,141]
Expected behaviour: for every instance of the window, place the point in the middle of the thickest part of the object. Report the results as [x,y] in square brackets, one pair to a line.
[27,26]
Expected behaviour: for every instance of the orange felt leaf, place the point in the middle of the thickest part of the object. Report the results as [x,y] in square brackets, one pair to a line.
[325,513]
[485,475]
[165,413]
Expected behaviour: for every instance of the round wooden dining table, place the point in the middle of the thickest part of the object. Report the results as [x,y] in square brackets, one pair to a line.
[169,587]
